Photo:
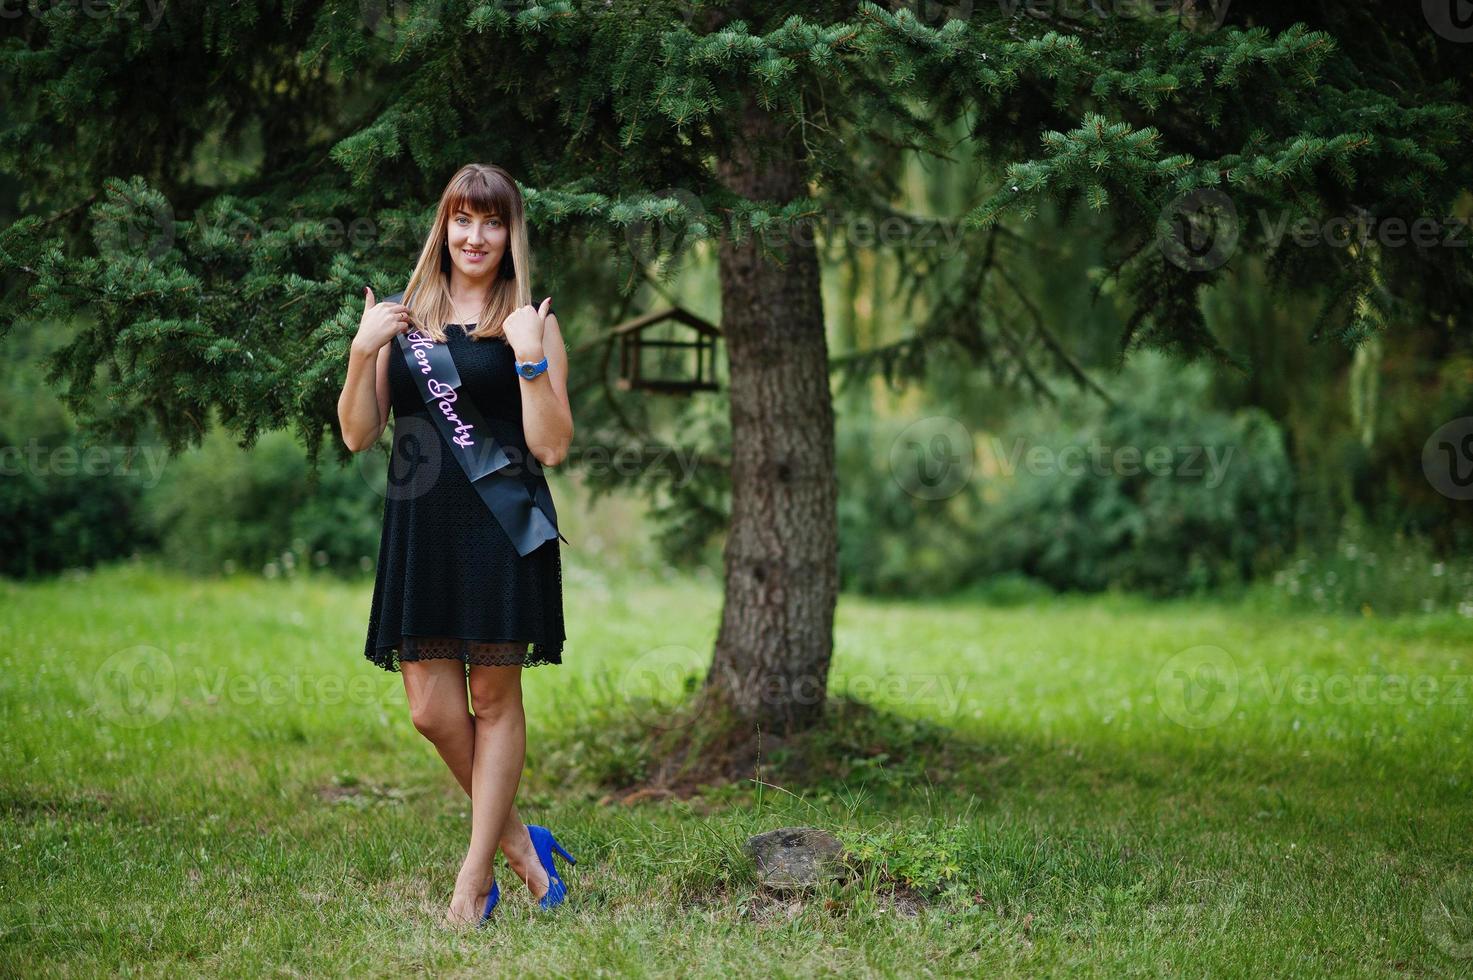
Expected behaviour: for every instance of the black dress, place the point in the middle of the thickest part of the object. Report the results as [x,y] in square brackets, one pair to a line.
[450,582]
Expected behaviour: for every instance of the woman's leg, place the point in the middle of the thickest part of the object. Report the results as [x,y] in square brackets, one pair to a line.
[436,689]
[439,708]
[496,769]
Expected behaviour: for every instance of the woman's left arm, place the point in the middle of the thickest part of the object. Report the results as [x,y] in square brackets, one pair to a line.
[547,418]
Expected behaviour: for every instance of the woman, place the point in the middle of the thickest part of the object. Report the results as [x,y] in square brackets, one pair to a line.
[460,598]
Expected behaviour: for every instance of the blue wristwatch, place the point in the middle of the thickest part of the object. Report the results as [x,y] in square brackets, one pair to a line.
[530,370]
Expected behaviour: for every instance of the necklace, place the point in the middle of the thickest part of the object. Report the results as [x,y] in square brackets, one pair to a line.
[461,317]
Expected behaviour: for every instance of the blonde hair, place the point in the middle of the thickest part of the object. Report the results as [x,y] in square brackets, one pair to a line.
[476,187]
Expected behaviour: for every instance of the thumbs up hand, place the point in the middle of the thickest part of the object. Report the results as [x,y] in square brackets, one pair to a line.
[524,328]
[380,323]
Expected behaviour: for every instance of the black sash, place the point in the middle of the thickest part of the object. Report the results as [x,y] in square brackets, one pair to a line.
[527,515]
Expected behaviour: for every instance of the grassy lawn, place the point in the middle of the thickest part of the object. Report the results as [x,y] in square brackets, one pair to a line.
[1095,785]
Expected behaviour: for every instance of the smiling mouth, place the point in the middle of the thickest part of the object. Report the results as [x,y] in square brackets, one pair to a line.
[472,253]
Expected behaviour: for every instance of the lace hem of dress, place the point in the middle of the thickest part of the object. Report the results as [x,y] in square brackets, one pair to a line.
[482,653]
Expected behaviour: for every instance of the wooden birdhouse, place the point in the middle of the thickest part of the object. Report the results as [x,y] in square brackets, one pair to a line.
[669,351]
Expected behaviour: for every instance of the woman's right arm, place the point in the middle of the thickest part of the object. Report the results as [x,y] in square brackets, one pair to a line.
[363,407]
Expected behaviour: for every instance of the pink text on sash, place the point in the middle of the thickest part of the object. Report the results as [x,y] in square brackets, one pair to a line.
[439,389]
[447,395]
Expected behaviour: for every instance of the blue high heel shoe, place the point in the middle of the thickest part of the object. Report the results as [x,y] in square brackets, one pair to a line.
[491,901]
[545,844]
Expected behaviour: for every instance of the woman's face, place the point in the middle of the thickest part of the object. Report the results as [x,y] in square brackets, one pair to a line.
[477,243]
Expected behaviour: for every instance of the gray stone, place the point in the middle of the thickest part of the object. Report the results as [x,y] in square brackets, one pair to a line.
[794,857]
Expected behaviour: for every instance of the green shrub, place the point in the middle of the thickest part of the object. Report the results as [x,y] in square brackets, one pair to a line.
[892,540]
[1371,572]
[63,503]
[55,516]
[1008,589]
[220,507]
[1156,492]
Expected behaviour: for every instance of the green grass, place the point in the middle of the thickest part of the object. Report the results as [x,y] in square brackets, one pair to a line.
[1034,779]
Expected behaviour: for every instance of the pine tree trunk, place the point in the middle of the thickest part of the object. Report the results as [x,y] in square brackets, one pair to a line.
[773,650]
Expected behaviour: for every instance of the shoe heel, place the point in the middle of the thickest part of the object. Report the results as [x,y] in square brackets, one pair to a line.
[491,901]
[546,845]
[559,848]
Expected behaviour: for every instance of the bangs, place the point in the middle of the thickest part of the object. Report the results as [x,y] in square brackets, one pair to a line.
[480,194]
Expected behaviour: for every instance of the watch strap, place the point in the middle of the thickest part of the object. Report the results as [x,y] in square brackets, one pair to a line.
[537,368]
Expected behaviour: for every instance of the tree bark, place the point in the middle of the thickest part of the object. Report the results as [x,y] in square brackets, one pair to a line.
[773,650]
